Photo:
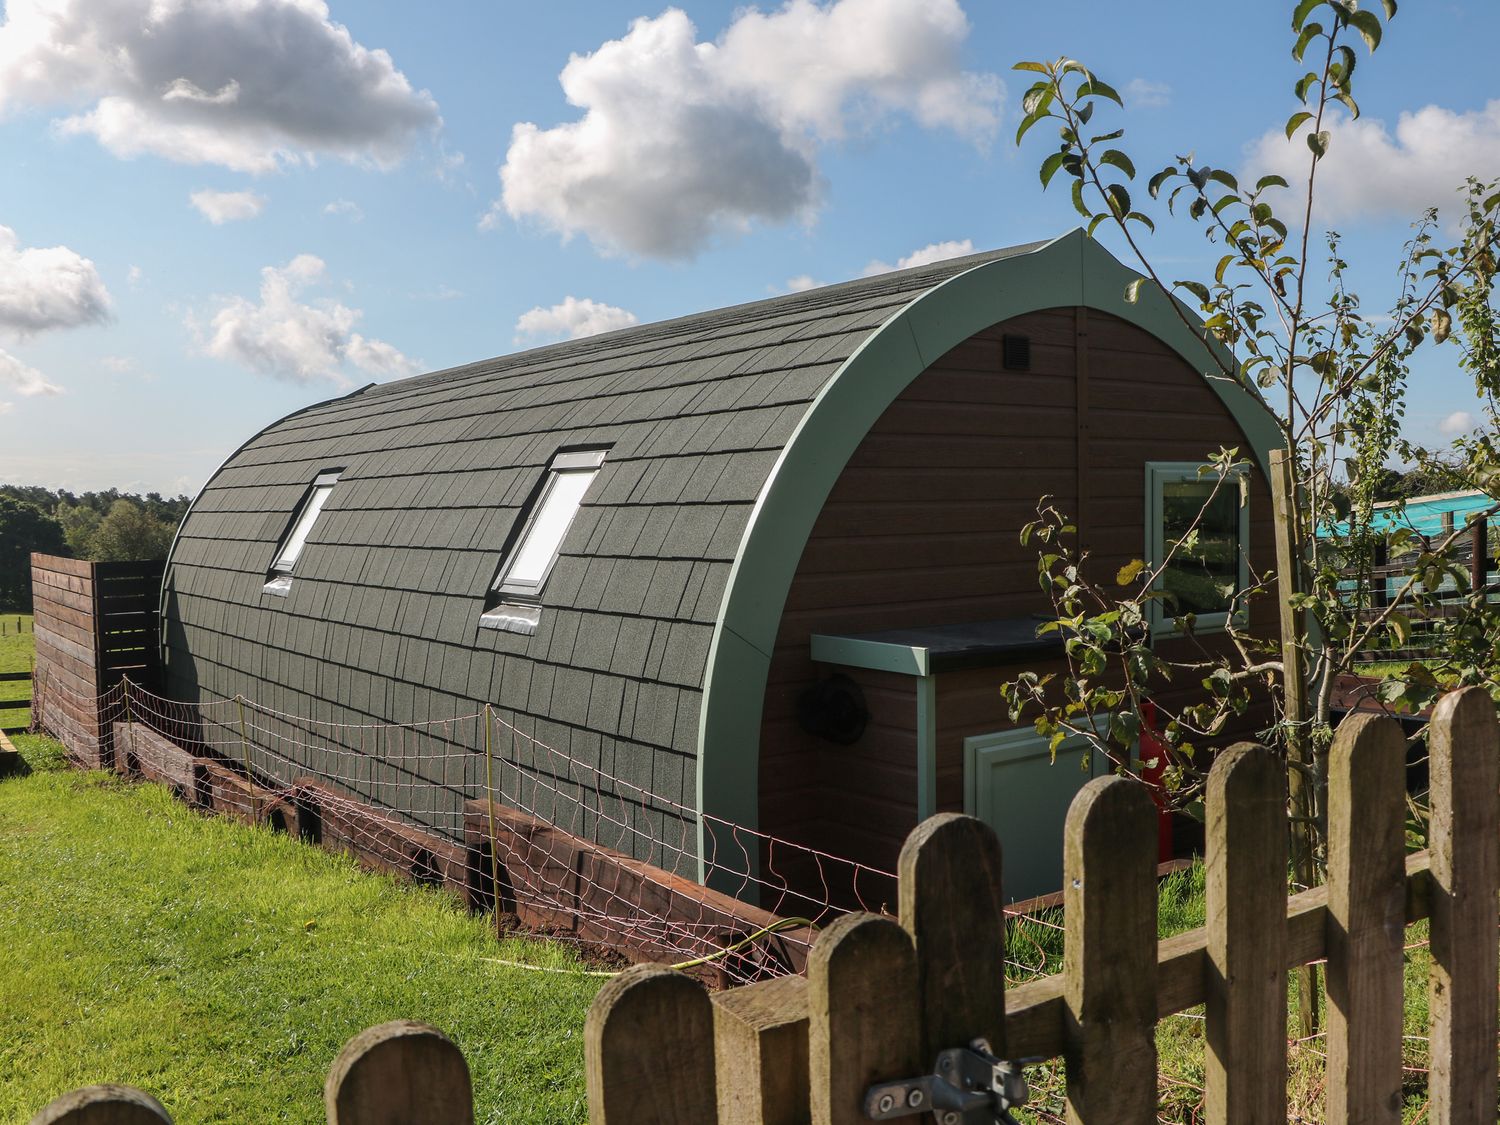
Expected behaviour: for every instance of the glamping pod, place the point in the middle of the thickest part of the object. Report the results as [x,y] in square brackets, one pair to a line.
[756,568]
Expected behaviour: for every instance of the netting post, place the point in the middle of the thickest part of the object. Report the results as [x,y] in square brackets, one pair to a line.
[239,701]
[489,805]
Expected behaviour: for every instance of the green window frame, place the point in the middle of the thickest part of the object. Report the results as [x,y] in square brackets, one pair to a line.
[1197,582]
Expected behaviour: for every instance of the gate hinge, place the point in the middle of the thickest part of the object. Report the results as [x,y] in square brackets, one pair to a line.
[967,1086]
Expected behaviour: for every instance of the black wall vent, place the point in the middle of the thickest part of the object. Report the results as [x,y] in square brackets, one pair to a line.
[833,709]
[1015,352]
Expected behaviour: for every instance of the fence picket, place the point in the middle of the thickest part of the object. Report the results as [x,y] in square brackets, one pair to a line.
[103,1105]
[760,1053]
[397,1073]
[954,909]
[1109,953]
[862,1015]
[1464,843]
[649,1050]
[1366,919]
[1246,870]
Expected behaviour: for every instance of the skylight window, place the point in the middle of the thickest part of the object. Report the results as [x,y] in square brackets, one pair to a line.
[291,546]
[530,559]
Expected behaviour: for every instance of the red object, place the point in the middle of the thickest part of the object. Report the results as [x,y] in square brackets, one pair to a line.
[1155,753]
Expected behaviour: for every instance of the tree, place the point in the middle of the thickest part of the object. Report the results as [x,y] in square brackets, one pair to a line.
[23,529]
[79,524]
[1334,376]
[130,532]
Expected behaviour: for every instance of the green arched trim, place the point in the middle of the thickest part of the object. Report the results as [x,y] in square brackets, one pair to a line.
[1069,271]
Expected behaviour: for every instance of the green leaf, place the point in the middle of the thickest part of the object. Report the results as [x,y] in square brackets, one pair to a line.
[1390,8]
[1270,181]
[1224,178]
[1303,84]
[1368,25]
[1132,295]
[1295,122]
[1100,88]
[1117,158]
[1102,137]
[1051,165]
[1318,142]
[1131,570]
[1094,224]
[1400,626]
[1154,184]
[1349,103]
[1197,289]
[1036,67]
[1442,325]
[1309,32]
[1304,9]
[1144,219]
[1078,204]
[1026,124]
[1119,199]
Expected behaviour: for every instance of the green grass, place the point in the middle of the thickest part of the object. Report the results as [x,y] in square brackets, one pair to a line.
[16,649]
[221,967]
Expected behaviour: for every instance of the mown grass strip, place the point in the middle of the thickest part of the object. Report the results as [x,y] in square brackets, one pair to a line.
[221,967]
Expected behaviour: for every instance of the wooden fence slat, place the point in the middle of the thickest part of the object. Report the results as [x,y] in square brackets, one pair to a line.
[954,909]
[1464,844]
[103,1105]
[397,1073]
[862,1012]
[1246,870]
[649,1050]
[760,1053]
[1109,953]
[1366,919]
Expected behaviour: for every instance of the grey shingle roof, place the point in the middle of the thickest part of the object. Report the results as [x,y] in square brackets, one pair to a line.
[436,470]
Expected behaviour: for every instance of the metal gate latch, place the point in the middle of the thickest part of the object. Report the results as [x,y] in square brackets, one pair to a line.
[967,1086]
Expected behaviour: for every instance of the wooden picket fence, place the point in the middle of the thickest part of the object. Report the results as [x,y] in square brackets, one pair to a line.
[882,998]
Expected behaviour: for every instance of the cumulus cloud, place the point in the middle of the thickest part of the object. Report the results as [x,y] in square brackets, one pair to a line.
[1142,93]
[1459,422]
[346,207]
[283,337]
[802,283]
[249,84]
[572,319]
[220,207]
[23,380]
[1372,171]
[680,140]
[932,252]
[47,288]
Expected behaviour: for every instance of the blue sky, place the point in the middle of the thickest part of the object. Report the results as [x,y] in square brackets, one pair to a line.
[217,213]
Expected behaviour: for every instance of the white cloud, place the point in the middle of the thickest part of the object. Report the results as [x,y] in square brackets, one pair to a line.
[1142,93]
[7,407]
[24,380]
[680,140]
[1370,171]
[248,84]
[1459,422]
[347,207]
[47,288]
[119,364]
[285,338]
[802,283]
[932,252]
[572,319]
[220,207]
[135,276]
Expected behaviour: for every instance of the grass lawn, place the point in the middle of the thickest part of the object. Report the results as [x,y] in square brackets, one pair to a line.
[221,967]
[16,648]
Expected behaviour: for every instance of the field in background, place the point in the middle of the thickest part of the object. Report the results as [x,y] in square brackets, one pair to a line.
[17,646]
[222,967]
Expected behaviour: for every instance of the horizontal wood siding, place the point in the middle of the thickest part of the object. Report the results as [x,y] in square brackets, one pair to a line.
[922,529]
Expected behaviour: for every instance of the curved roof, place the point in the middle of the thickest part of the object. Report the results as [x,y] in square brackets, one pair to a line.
[726,432]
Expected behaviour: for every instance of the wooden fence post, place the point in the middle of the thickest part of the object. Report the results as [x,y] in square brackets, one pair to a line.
[103,1105]
[954,909]
[1109,953]
[649,1050]
[862,1013]
[1464,843]
[397,1073]
[1366,919]
[1247,938]
[760,1053]
[1479,558]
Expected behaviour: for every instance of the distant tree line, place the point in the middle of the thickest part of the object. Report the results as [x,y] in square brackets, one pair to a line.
[103,526]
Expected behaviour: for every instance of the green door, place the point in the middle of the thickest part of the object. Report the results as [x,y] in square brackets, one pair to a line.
[1014,785]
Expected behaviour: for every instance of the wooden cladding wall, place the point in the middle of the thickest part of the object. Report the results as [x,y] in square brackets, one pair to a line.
[95,624]
[922,529]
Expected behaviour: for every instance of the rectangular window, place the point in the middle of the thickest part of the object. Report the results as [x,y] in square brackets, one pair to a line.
[533,552]
[1202,521]
[290,550]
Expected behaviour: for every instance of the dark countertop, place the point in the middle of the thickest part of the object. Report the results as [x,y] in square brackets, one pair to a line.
[942,648]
